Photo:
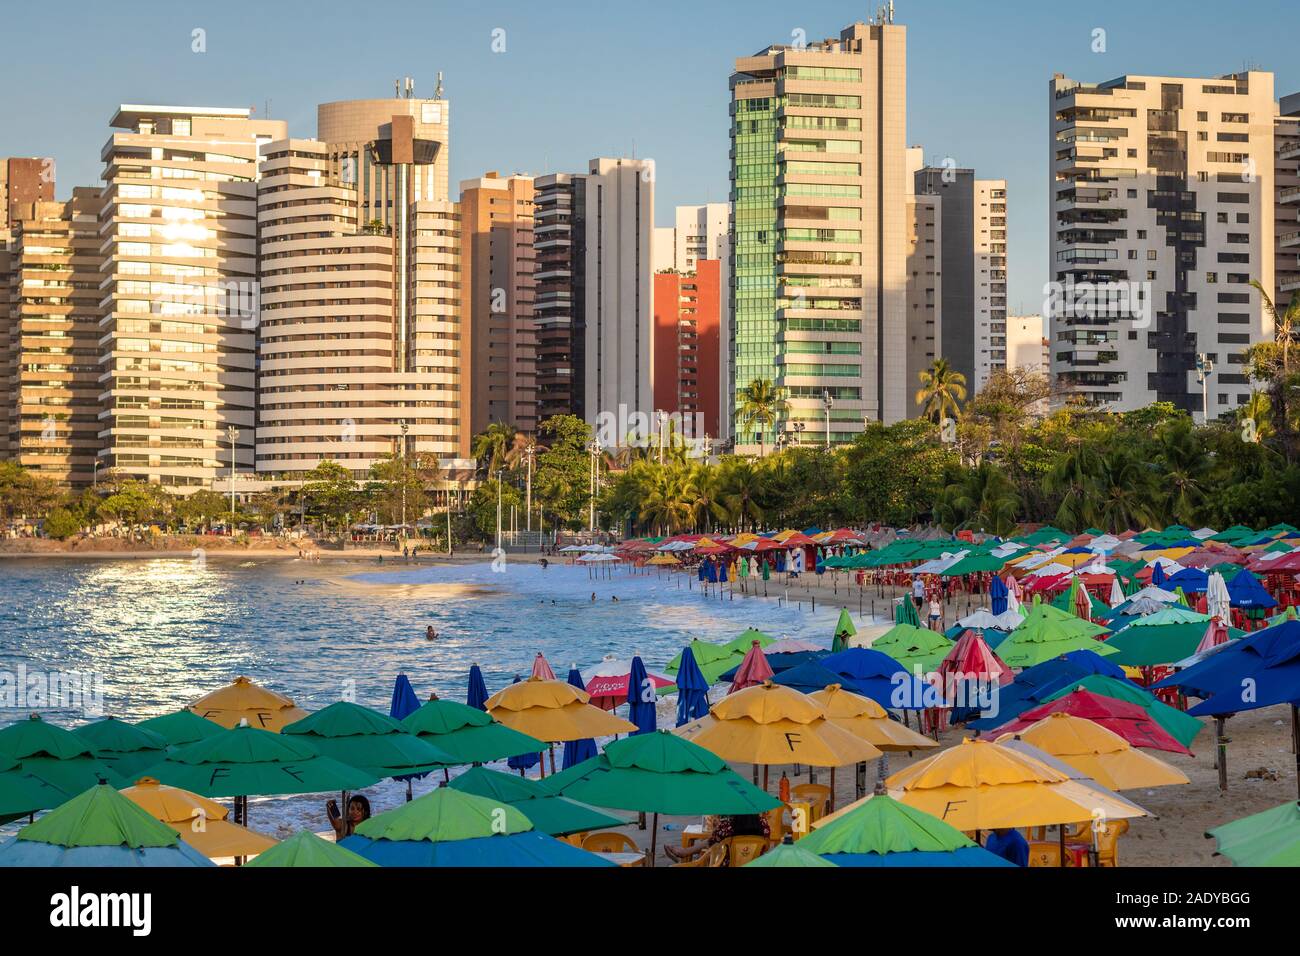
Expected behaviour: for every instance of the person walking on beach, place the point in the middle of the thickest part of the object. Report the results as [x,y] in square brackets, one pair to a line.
[358,812]
[918,592]
[936,615]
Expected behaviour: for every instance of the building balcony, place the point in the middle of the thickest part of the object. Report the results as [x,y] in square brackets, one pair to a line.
[1289,239]
[1289,195]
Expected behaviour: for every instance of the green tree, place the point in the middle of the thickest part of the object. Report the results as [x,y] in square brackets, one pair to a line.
[942,390]
[61,524]
[201,509]
[491,445]
[483,506]
[331,492]
[760,405]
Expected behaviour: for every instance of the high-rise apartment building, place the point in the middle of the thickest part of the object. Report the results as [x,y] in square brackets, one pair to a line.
[818,142]
[1027,345]
[703,232]
[1161,213]
[498,289]
[687,338]
[924,280]
[23,180]
[52,391]
[974,265]
[396,152]
[560,248]
[1286,208]
[178,232]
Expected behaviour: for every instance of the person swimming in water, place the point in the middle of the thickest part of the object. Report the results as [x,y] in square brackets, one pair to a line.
[430,634]
[593,597]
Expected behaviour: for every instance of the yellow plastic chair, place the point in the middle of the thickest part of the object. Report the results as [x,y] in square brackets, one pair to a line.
[716,855]
[609,842]
[746,848]
[1047,853]
[1108,842]
[819,795]
[701,860]
[776,824]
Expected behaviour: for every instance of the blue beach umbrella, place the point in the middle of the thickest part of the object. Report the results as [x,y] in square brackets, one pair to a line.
[873,674]
[404,702]
[640,698]
[477,694]
[523,761]
[1245,591]
[1158,575]
[692,692]
[998,595]
[576,751]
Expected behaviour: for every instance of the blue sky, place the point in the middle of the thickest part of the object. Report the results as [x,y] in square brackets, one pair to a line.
[581,78]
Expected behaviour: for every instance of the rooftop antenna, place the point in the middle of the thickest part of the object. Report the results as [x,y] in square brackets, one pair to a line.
[397,89]
[437,93]
[410,87]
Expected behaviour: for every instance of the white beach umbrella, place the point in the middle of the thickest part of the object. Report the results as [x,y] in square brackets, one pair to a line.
[1116,593]
[1217,602]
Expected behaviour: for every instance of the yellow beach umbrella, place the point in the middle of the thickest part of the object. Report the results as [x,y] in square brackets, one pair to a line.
[201,822]
[664,559]
[978,785]
[867,720]
[553,711]
[770,724]
[1101,754]
[244,700]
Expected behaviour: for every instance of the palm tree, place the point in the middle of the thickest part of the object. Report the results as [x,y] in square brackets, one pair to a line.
[1260,415]
[740,491]
[760,404]
[1123,490]
[491,444]
[1267,364]
[1071,477]
[1184,463]
[942,389]
[984,500]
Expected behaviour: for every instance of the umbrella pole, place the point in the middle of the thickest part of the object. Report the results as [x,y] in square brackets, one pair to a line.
[1221,744]
[408,790]
[1295,742]
[766,768]
[654,835]
[831,808]
[1060,830]
[551,748]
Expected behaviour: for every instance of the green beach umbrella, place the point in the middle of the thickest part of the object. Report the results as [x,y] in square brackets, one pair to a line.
[1178,724]
[789,855]
[468,734]
[1162,638]
[124,747]
[741,645]
[548,813]
[905,612]
[1047,632]
[881,825]
[306,849]
[366,739]
[244,761]
[55,756]
[1271,838]
[446,815]
[22,794]
[713,660]
[661,773]
[99,827]
[181,727]
[911,645]
[844,629]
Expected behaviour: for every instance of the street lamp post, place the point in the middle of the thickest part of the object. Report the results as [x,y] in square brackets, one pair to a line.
[827,402]
[1204,366]
[595,450]
[232,433]
[405,427]
[528,492]
[95,478]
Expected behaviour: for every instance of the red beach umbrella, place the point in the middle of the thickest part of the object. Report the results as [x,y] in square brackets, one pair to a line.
[1128,720]
[542,669]
[754,669]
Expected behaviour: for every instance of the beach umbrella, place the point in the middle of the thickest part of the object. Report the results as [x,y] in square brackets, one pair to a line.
[754,669]
[548,813]
[376,743]
[770,724]
[448,828]
[1245,592]
[971,657]
[1098,752]
[306,850]
[844,630]
[201,821]
[611,681]
[1158,575]
[476,695]
[978,785]
[905,612]
[788,854]
[881,831]
[867,720]
[122,746]
[1116,592]
[740,644]
[99,827]
[997,595]
[181,727]
[1129,721]
[467,734]
[1047,633]
[525,762]
[242,700]
[405,702]
[553,711]
[246,760]
[1216,633]
[1164,637]
[913,647]
[542,668]
[22,794]
[713,660]
[640,698]
[576,751]
[692,690]
[870,673]
[1271,838]
[1175,722]
[54,756]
